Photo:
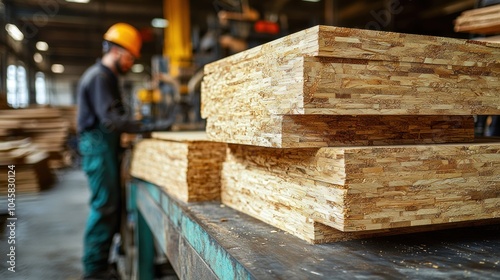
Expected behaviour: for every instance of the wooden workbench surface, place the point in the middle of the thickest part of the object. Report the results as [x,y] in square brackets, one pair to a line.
[210,241]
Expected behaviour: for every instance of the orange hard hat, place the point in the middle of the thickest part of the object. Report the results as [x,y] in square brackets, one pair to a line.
[126,36]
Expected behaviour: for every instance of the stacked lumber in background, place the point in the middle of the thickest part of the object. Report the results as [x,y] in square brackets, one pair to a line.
[479,21]
[185,164]
[31,166]
[336,72]
[46,128]
[68,113]
[377,127]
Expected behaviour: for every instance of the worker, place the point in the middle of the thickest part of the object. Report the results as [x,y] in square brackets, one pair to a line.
[101,119]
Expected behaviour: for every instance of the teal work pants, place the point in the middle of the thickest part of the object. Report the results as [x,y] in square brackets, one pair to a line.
[100,161]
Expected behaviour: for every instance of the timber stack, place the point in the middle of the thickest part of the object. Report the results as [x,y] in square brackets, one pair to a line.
[484,21]
[185,164]
[29,166]
[45,126]
[378,130]
[69,114]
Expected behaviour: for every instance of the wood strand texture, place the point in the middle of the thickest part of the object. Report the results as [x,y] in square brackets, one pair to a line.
[331,194]
[184,166]
[325,71]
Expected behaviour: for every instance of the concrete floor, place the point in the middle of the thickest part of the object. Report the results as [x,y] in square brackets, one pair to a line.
[49,231]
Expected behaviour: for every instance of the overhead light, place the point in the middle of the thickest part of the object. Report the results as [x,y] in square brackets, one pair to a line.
[57,68]
[78,1]
[311,0]
[14,32]
[159,23]
[42,46]
[38,58]
[137,68]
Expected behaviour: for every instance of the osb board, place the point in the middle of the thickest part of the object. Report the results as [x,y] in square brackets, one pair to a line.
[331,41]
[339,71]
[338,86]
[189,171]
[343,86]
[479,21]
[301,131]
[185,136]
[273,75]
[317,193]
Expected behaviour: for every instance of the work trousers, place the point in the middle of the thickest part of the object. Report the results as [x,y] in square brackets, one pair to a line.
[100,161]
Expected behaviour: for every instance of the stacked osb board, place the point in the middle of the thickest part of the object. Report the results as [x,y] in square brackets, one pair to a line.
[31,168]
[261,96]
[185,164]
[45,126]
[378,129]
[479,21]
[332,194]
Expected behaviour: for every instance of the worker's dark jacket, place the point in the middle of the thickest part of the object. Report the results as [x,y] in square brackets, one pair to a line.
[100,103]
[101,118]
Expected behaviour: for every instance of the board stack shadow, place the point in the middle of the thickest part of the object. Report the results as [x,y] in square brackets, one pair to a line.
[185,164]
[338,133]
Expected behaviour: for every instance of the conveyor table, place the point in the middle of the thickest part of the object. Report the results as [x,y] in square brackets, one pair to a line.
[209,241]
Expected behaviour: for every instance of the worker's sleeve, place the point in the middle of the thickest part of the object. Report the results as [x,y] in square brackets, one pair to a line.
[109,108]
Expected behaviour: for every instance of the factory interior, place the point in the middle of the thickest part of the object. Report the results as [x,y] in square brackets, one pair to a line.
[244,139]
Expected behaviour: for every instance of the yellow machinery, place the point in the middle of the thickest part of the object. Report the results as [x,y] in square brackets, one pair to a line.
[177,44]
[148,100]
[160,102]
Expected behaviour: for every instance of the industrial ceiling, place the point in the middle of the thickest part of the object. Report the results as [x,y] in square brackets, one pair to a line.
[74,31]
